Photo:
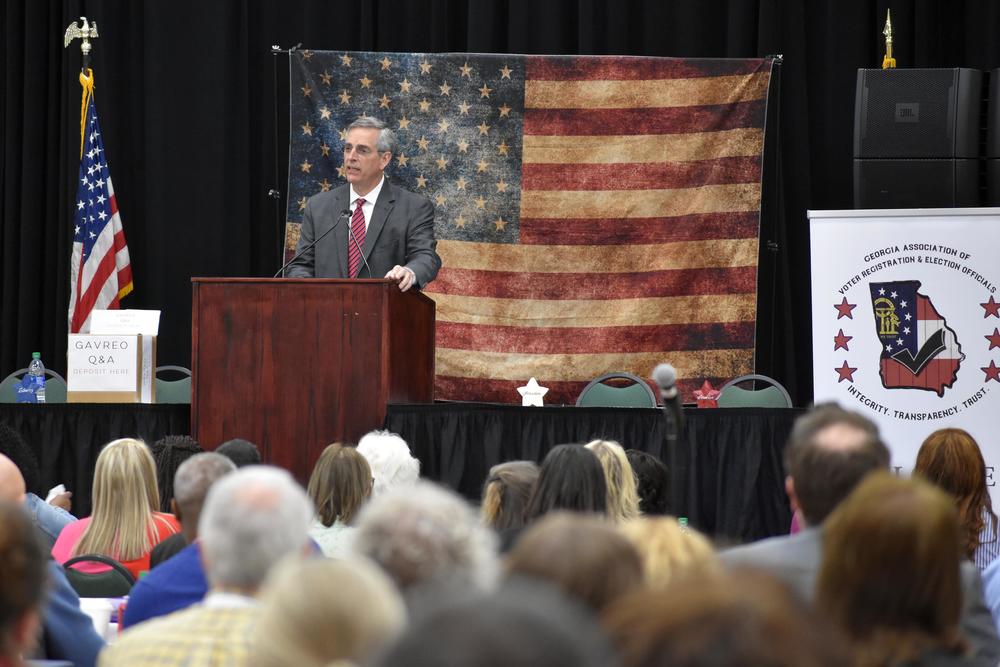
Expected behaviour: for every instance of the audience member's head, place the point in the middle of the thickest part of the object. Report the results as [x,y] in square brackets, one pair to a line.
[669,551]
[571,478]
[341,481]
[744,618]
[390,460]
[652,480]
[252,518]
[583,556]
[22,583]
[191,484]
[517,625]
[241,452]
[506,493]
[829,451]
[623,497]
[425,534]
[169,452]
[890,571]
[12,488]
[320,611]
[124,497]
[14,447]
[951,460]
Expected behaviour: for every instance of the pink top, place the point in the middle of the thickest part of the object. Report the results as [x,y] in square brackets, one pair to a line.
[166,525]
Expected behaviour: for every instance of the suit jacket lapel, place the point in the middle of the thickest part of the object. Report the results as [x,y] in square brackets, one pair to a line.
[386,200]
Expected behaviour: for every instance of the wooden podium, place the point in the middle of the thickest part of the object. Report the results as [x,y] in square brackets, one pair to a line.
[293,365]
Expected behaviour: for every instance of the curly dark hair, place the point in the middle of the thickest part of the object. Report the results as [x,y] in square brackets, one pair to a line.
[169,452]
[653,481]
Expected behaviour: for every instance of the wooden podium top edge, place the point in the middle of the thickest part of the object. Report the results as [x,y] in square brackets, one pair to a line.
[311,281]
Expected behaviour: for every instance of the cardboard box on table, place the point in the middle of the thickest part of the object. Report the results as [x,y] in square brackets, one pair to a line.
[116,361]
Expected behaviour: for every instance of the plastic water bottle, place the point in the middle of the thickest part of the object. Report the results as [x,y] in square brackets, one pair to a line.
[36,370]
[683,521]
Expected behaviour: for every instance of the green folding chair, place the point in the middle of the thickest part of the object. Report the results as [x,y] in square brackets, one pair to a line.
[55,386]
[173,391]
[770,395]
[635,394]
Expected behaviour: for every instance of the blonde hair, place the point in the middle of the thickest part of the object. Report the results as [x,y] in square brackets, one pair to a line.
[325,612]
[669,551]
[125,495]
[622,491]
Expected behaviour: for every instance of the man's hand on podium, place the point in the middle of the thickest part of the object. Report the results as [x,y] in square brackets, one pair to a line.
[403,276]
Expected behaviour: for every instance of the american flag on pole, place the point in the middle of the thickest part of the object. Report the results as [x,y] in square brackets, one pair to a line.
[100,273]
[594,214]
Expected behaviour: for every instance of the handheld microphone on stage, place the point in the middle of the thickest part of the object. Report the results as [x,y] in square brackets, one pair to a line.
[343,214]
[360,251]
[665,377]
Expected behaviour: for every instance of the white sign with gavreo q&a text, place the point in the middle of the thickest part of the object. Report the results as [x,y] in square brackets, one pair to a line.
[108,363]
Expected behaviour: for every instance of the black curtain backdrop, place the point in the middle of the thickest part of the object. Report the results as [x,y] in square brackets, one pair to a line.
[186,101]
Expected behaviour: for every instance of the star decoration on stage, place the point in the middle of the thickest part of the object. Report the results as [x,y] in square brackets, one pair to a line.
[844,309]
[992,371]
[991,307]
[532,393]
[845,372]
[840,341]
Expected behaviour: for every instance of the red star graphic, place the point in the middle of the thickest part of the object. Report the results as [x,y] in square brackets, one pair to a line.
[991,307]
[994,338]
[992,372]
[844,309]
[847,373]
[840,341]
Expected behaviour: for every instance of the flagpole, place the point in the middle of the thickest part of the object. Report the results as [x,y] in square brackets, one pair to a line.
[274,192]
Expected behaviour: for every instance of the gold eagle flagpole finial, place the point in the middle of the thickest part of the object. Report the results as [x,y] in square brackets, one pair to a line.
[888,62]
[87,32]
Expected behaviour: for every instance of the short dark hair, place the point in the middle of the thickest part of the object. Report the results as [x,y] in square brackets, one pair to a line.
[14,447]
[241,452]
[22,573]
[520,624]
[653,480]
[571,478]
[169,452]
[825,473]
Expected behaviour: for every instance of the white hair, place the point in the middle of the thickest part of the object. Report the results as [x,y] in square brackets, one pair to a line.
[251,519]
[425,533]
[389,457]
[197,474]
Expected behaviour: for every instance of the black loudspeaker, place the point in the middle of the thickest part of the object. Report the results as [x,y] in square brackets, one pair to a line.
[993,142]
[916,138]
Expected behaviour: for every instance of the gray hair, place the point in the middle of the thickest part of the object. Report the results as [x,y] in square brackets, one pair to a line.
[386,141]
[427,534]
[389,457]
[196,475]
[252,518]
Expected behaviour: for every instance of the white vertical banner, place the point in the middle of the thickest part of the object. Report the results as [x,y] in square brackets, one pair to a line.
[906,322]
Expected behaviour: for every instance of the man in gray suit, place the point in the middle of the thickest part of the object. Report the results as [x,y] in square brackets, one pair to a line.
[829,452]
[380,230]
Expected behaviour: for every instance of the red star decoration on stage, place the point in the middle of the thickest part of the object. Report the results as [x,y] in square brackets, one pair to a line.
[840,341]
[847,373]
[994,338]
[992,372]
[991,307]
[844,309]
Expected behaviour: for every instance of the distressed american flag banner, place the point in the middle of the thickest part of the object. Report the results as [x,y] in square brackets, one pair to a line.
[594,214]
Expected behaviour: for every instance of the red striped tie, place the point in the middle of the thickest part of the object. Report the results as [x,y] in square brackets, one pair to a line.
[358,232]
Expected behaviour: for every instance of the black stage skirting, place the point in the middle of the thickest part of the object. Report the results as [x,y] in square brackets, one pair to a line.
[726,470]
